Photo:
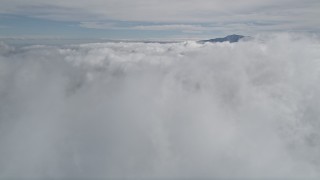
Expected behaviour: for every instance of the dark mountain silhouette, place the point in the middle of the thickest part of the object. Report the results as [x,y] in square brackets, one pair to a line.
[231,38]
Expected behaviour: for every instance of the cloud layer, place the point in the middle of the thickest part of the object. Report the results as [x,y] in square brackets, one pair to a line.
[244,15]
[249,109]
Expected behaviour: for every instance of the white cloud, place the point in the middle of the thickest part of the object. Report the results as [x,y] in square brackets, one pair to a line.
[171,11]
[162,27]
[246,28]
[161,110]
[181,27]
[99,25]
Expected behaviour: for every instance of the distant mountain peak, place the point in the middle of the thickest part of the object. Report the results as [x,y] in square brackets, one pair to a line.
[230,38]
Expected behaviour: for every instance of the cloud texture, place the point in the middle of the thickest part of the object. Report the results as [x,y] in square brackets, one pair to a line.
[249,109]
[247,16]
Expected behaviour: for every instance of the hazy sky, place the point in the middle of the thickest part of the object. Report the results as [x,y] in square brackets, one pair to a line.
[136,19]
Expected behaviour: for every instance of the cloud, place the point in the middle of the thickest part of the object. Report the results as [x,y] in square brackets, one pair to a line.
[99,25]
[4,27]
[150,110]
[245,27]
[180,27]
[162,27]
[304,14]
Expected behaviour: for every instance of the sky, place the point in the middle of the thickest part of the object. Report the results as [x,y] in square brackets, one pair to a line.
[155,19]
[178,110]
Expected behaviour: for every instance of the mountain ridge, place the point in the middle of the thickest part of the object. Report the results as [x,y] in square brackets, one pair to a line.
[230,38]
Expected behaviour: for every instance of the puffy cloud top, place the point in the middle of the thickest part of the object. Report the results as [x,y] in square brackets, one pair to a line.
[249,109]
